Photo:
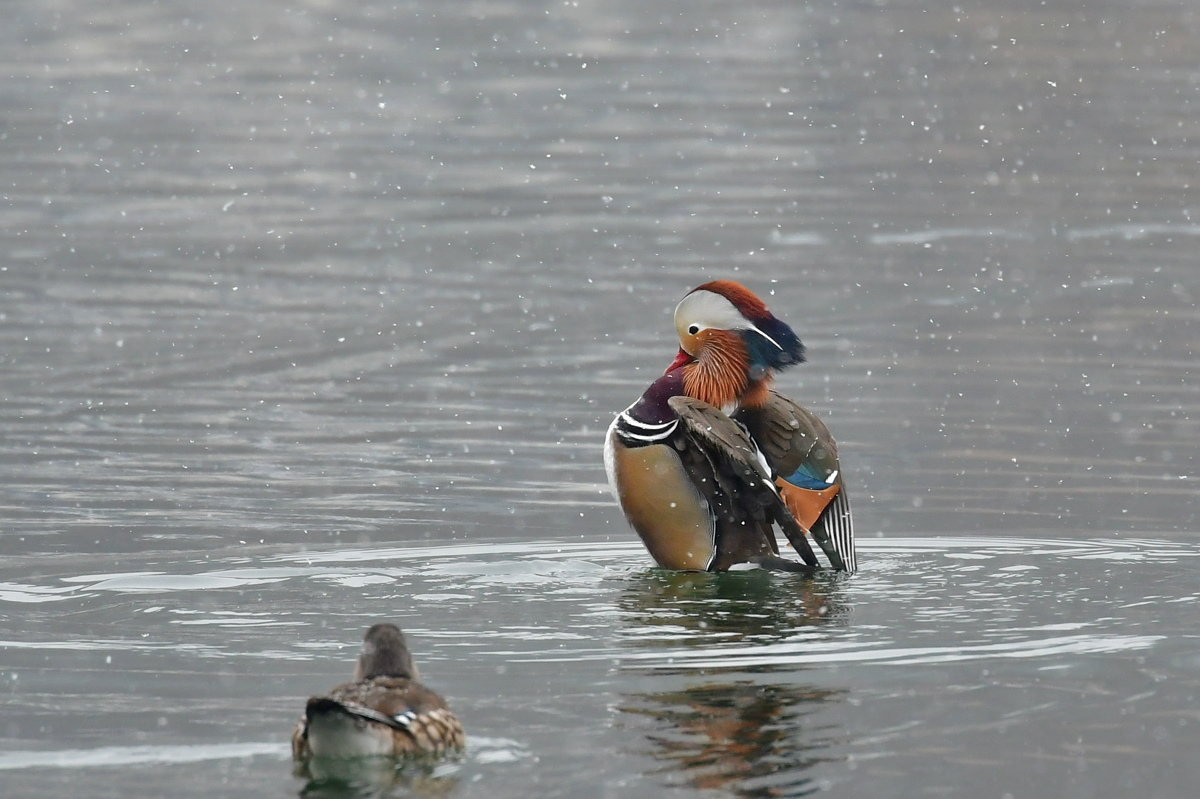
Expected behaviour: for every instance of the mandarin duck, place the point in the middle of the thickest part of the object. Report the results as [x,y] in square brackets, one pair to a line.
[385,711]
[711,456]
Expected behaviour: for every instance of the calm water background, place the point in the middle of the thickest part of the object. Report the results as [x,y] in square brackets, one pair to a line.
[313,314]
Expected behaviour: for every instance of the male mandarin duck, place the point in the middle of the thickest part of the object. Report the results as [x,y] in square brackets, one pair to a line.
[385,711]
[710,456]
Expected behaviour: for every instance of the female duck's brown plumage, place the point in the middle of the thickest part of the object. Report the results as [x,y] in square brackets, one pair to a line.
[385,711]
[710,457]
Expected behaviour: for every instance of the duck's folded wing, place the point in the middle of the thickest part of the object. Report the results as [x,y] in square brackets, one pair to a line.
[398,703]
[327,704]
[729,444]
[804,455]
[419,711]
[790,435]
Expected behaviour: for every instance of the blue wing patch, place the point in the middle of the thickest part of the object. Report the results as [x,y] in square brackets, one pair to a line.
[802,478]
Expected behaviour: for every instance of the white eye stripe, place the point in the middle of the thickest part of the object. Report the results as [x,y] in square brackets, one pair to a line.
[707,309]
[701,310]
[768,338]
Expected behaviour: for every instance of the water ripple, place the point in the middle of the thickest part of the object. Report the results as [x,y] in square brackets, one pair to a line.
[930,236]
[833,654]
[141,755]
[1133,231]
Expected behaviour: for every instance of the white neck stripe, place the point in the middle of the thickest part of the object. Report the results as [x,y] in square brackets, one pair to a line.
[667,430]
[644,425]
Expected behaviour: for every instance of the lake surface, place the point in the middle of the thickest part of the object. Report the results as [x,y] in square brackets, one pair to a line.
[315,314]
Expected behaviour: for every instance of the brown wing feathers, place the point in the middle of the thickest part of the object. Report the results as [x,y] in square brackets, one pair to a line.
[740,473]
[790,436]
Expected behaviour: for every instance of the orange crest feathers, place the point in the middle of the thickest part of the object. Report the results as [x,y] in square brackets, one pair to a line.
[742,298]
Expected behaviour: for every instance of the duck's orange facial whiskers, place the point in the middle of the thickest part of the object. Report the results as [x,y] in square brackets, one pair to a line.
[718,376]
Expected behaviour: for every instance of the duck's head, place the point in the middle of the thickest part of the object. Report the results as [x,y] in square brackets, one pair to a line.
[730,345]
[384,654]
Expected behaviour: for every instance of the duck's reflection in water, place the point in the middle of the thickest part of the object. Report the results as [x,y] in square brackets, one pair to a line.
[700,609]
[749,732]
[375,778]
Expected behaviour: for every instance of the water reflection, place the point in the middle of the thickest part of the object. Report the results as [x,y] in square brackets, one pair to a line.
[703,608]
[736,730]
[372,777]
[743,737]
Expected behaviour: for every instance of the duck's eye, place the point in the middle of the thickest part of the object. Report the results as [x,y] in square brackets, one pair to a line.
[693,329]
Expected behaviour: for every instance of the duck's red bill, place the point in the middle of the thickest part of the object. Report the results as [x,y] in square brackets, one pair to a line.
[679,361]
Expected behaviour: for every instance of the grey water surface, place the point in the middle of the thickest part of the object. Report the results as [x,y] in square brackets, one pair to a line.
[314,314]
